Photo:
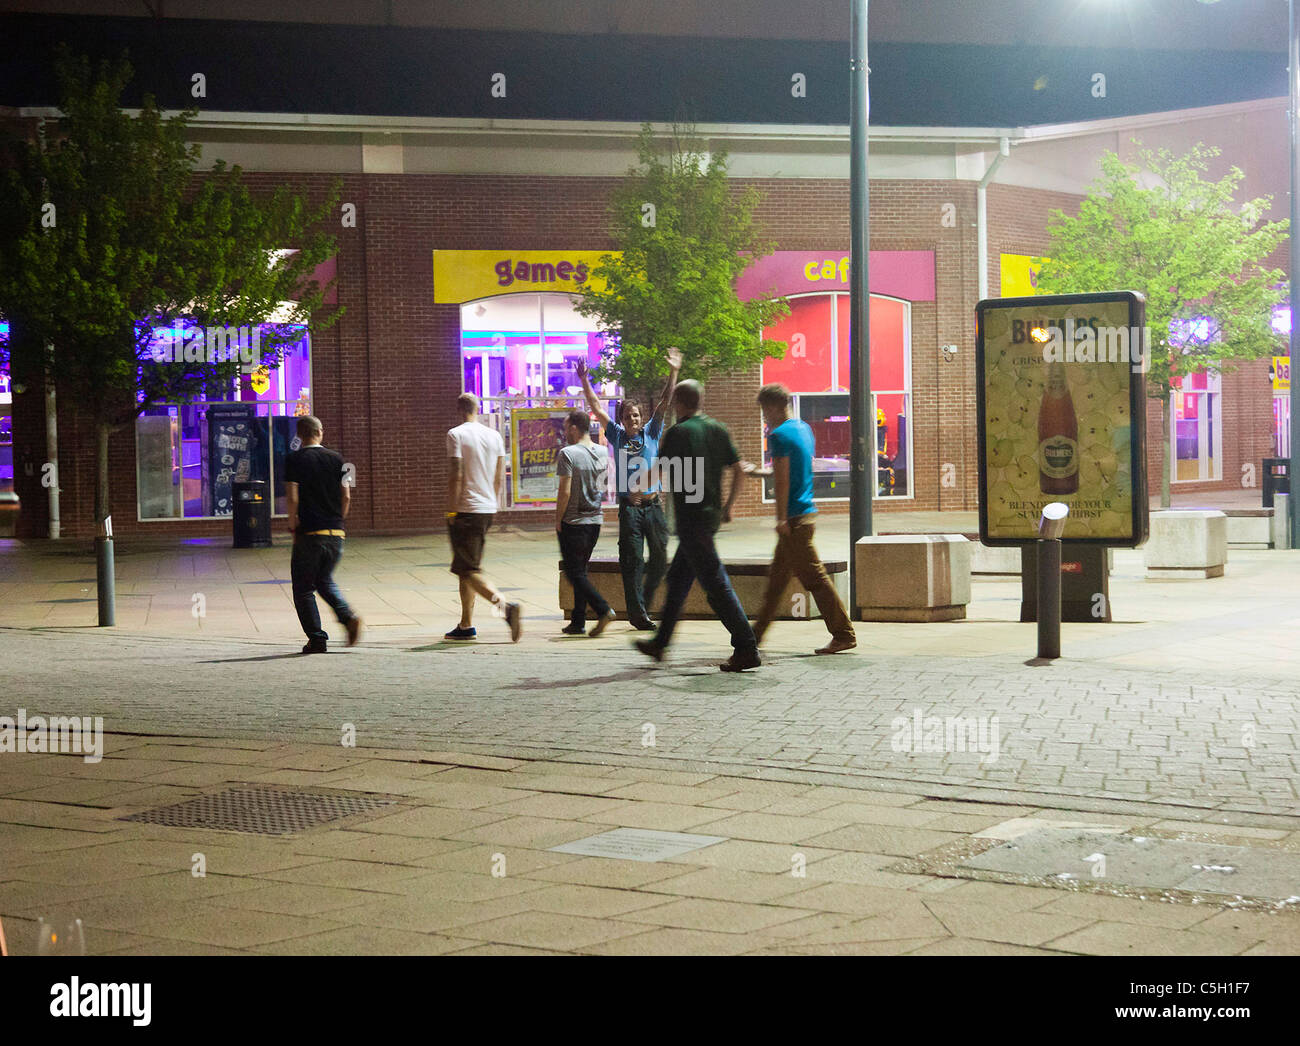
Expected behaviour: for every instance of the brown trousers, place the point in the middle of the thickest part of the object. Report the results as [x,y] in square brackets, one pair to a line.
[796,557]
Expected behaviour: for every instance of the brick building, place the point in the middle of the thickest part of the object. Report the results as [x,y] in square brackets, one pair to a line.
[441,199]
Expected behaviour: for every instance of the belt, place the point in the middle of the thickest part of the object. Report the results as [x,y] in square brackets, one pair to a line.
[646,499]
[325,533]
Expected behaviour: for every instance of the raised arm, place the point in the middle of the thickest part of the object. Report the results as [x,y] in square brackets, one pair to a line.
[675,362]
[592,402]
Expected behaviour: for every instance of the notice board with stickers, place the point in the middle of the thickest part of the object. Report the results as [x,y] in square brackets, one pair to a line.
[1061,408]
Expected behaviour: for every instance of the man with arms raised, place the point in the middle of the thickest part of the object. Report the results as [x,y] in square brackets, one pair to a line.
[476,488]
[634,448]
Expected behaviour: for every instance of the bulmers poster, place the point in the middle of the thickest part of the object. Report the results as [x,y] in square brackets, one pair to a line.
[1060,389]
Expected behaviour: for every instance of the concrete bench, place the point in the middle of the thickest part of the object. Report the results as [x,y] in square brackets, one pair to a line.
[748,578]
[1249,527]
[1187,543]
[913,577]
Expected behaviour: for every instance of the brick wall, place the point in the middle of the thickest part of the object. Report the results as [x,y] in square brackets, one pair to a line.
[387,374]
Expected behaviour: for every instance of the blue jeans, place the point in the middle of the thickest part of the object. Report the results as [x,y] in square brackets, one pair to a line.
[697,559]
[312,569]
[639,525]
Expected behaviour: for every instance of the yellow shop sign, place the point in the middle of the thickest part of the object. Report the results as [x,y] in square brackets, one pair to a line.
[461,276]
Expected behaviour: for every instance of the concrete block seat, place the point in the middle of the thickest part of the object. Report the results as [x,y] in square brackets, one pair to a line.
[913,577]
[1250,527]
[748,578]
[1190,543]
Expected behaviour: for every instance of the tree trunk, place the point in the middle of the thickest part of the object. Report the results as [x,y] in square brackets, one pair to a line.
[1166,454]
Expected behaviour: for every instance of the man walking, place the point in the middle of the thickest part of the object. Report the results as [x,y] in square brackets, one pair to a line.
[792,445]
[583,469]
[318,500]
[640,514]
[697,450]
[476,487]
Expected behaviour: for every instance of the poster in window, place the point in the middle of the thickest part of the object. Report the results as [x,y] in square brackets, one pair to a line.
[1060,396]
[233,445]
[536,438]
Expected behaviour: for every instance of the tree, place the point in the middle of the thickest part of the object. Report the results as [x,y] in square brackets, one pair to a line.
[107,231]
[1159,227]
[684,238]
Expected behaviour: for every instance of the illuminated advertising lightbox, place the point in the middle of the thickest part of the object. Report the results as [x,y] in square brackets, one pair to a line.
[1060,396]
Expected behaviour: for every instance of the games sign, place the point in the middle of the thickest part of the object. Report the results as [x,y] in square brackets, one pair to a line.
[1060,396]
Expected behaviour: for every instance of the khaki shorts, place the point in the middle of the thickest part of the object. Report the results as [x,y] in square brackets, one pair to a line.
[468,532]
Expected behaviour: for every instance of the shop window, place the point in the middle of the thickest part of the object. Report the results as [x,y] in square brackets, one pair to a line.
[189,454]
[522,350]
[815,369]
[1196,432]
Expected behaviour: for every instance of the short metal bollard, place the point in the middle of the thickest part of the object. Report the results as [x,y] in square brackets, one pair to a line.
[104,588]
[1051,525]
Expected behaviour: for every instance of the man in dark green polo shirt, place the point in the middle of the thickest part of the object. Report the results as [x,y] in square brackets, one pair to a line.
[693,456]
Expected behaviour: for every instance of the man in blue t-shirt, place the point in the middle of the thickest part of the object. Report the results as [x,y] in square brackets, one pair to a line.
[633,449]
[792,446]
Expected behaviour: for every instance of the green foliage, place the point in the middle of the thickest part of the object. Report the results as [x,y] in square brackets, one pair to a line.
[1159,227]
[674,282]
[138,240]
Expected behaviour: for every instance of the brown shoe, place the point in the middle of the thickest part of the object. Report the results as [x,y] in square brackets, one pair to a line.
[739,662]
[836,646]
[354,631]
[602,623]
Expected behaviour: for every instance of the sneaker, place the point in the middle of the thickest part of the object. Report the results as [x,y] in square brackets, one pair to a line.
[314,648]
[739,662]
[462,633]
[574,630]
[650,648]
[513,614]
[835,646]
[354,631]
[602,623]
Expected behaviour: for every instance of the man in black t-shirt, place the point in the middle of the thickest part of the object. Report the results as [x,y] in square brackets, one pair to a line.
[319,500]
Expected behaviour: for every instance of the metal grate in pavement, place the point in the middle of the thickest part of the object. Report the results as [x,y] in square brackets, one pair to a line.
[261,811]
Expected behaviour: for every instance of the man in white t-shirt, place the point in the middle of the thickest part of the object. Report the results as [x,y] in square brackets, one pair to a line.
[476,489]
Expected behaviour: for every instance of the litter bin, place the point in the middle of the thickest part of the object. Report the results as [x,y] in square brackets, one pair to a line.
[252,514]
[1277,479]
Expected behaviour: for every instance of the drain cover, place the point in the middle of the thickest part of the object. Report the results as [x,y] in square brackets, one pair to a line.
[638,844]
[262,811]
[1064,855]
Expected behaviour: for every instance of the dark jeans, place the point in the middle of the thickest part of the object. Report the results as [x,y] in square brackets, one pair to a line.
[577,540]
[638,525]
[697,559]
[312,568]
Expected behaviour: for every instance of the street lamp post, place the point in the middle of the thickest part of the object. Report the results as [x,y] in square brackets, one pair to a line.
[1293,69]
[862,459]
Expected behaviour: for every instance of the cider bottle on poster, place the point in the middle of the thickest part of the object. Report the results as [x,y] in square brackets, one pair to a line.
[1058,436]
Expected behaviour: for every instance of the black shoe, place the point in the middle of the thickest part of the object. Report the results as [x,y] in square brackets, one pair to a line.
[650,648]
[314,648]
[574,630]
[739,662]
[642,624]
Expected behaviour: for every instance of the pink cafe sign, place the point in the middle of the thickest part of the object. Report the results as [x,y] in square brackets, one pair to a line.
[897,274]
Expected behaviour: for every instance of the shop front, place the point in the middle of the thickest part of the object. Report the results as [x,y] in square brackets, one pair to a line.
[520,342]
[815,367]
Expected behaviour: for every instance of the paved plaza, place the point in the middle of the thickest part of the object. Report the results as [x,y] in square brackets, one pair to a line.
[1179,719]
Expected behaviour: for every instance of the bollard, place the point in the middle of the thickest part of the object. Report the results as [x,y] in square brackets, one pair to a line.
[1050,527]
[104,572]
[1281,521]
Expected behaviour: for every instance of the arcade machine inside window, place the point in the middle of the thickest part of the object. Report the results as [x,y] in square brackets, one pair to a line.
[182,471]
[815,369]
